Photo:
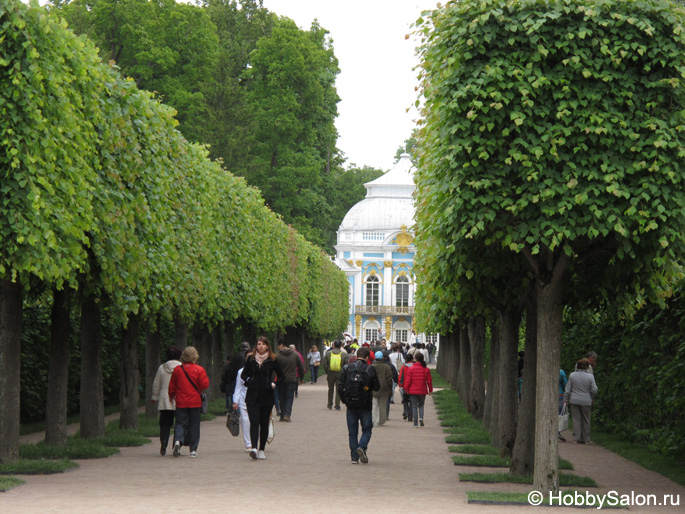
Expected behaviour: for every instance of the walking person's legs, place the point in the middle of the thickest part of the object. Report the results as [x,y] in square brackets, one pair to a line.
[422,401]
[383,409]
[253,415]
[181,429]
[585,413]
[264,414]
[166,420]
[576,416]
[194,428]
[353,432]
[376,411]
[245,425]
[332,379]
[414,408]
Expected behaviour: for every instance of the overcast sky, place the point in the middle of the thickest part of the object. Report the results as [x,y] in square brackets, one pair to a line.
[376,82]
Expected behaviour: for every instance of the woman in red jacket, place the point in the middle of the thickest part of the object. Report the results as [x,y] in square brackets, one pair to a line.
[187,382]
[418,383]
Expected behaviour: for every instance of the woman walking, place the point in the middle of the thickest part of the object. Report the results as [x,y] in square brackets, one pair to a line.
[258,375]
[314,363]
[160,396]
[418,382]
[187,382]
[579,394]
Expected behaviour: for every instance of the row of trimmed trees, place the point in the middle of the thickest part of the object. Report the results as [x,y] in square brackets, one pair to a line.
[550,172]
[104,203]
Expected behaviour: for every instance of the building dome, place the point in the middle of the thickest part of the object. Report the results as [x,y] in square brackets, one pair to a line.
[389,202]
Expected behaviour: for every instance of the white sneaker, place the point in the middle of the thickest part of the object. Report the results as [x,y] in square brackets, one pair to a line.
[253,453]
[261,455]
[193,455]
[177,448]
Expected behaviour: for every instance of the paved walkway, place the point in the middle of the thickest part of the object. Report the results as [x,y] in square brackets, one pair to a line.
[307,470]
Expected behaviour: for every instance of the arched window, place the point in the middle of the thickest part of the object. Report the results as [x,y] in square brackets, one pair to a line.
[372,290]
[402,292]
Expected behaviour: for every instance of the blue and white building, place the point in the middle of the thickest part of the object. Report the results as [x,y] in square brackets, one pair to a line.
[376,251]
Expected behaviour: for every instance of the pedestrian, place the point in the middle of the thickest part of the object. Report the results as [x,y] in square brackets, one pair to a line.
[579,394]
[356,384]
[333,363]
[160,395]
[314,363]
[187,382]
[380,397]
[239,404]
[292,368]
[431,351]
[418,382]
[261,370]
[406,405]
[562,388]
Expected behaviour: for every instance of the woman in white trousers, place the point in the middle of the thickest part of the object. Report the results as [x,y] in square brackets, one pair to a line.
[239,403]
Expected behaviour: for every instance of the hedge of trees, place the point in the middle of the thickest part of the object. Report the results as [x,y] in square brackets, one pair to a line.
[550,174]
[107,210]
[252,85]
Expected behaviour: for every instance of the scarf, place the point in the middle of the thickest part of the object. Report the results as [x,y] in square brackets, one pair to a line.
[261,358]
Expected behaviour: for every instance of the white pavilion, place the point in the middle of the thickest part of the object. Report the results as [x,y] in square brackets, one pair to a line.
[375,250]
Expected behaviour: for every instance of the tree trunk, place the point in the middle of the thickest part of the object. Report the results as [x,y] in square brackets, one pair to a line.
[180,333]
[491,397]
[476,329]
[92,396]
[58,374]
[10,368]
[549,322]
[523,456]
[128,391]
[510,319]
[153,344]
[455,356]
[218,360]
[464,378]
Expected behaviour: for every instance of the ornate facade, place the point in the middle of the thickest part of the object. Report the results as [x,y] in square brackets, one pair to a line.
[376,250]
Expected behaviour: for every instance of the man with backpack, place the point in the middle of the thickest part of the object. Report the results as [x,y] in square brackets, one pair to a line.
[357,382]
[333,362]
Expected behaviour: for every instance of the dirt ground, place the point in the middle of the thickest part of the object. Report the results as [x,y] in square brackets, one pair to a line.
[308,470]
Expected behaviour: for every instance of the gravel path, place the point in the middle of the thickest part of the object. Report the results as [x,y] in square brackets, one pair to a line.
[307,470]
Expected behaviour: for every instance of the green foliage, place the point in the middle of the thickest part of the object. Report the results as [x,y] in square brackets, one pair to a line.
[76,448]
[7,483]
[641,364]
[549,129]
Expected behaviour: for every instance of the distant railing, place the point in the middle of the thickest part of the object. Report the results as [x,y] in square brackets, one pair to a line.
[383,309]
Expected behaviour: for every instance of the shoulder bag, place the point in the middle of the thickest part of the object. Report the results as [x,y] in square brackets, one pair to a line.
[203,396]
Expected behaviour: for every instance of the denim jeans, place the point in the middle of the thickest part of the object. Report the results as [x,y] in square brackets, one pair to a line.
[314,372]
[286,396]
[187,429]
[417,401]
[354,417]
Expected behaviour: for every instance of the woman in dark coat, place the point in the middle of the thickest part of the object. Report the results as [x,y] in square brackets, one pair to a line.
[259,374]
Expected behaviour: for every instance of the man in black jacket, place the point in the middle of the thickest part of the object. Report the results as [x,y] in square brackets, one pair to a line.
[357,382]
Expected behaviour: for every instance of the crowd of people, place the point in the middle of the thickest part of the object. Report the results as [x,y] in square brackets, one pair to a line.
[257,381]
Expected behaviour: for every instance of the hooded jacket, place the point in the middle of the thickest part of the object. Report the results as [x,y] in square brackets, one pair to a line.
[290,364]
[160,386]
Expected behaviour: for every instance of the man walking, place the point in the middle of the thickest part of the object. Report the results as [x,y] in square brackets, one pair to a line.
[333,362]
[291,365]
[357,382]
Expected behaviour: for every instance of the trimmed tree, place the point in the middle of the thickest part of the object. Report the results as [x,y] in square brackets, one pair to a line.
[555,130]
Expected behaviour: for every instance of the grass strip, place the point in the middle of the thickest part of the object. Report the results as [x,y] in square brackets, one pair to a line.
[438,381]
[568,499]
[495,461]
[474,449]
[76,448]
[36,467]
[565,479]
[7,483]
[469,438]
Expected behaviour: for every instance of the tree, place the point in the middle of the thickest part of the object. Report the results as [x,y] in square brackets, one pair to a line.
[555,131]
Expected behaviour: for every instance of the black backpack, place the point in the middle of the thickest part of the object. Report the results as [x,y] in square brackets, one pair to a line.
[355,387]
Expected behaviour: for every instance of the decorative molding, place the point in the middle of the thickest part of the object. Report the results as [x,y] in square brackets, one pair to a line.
[403,240]
[388,264]
[359,263]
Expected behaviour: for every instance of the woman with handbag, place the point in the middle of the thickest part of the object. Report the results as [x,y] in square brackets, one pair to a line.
[259,374]
[314,363]
[580,392]
[185,387]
